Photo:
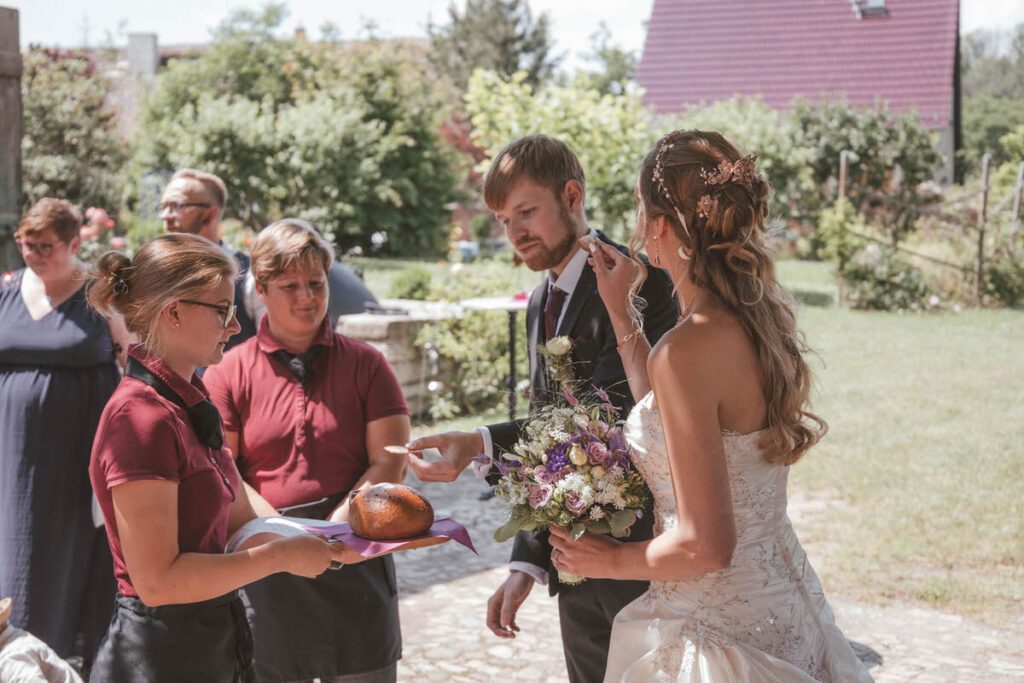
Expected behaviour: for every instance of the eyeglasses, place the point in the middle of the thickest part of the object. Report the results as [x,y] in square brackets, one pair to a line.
[227,313]
[43,249]
[178,207]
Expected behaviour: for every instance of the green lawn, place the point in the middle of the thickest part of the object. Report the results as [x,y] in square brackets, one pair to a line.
[925,457]
[922,471]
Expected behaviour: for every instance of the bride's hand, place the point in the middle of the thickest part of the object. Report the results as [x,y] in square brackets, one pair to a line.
[615,275]
[587,556]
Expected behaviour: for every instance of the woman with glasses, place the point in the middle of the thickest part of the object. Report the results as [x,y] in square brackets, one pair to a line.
[58,367]
[308,413]
[166,482]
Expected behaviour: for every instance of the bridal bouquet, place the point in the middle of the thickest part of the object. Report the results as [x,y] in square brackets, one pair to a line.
[572,467]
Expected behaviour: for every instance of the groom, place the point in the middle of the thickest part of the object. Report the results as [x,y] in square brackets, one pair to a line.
[536,189]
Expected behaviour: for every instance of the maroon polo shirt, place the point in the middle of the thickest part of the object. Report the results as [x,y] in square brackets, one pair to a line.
[143,436]
[298,444]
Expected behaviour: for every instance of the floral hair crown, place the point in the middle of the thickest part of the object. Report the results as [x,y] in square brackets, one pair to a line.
[740,172]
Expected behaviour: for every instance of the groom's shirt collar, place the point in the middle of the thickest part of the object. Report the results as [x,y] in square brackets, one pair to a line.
[571,273]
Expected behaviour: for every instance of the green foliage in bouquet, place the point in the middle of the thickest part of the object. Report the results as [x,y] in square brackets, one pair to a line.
[572,468]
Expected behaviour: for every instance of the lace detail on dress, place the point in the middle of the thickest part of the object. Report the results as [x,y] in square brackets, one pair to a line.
[768,598]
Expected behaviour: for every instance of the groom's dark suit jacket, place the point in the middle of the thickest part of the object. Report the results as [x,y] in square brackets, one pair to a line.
[596,359]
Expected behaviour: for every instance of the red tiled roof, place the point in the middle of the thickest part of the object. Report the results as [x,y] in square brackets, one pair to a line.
[708,50]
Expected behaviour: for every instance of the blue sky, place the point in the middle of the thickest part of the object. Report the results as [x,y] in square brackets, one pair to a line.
[67,22]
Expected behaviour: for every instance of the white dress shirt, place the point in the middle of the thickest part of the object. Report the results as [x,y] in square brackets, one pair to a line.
[566,282]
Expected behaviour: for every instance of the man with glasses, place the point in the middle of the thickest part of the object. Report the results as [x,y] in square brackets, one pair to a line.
[193,202]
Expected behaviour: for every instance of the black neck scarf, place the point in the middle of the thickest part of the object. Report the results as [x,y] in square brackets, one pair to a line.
[203,416]
[302,364]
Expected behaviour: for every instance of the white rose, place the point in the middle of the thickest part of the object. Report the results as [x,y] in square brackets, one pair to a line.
[577,456]
[558,346]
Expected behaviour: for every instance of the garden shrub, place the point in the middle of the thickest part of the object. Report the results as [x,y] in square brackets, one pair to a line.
[413,282]
[1003,281]
[473,350]
[880,280]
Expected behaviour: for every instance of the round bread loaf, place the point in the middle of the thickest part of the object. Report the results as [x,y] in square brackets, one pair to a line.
[389,512]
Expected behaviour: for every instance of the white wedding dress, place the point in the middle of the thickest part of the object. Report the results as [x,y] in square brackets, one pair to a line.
[763,619]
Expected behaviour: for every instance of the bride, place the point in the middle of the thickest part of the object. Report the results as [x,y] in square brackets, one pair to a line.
[721,414]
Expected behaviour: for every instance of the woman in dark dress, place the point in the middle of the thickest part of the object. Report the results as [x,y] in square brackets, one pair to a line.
[57,370]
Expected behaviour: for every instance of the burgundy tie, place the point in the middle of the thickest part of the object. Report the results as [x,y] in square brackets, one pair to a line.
[553,310]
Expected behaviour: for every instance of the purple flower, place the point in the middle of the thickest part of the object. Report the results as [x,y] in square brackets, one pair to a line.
[599,453]
[557,462]
[505,466]
[574,504]
[602,395]
[540,495]
[557,458]
[617,440]
[598,427]
[573,401]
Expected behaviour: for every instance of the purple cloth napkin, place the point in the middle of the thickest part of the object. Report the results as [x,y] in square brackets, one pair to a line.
[443,527]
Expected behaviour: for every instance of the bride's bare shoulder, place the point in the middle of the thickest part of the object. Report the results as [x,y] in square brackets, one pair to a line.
[710,338]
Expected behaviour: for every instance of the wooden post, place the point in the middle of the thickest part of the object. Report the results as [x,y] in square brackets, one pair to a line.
[10,136]
[844,165]
[844,172]
[979,268]
[1018,194]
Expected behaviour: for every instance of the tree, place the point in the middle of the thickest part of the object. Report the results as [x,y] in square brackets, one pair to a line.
[758,129]
[614,67]
[609,133]
[986,119]
[992,78]
[992,63]
[891,157]
[354,146]
[498,35]
[71,148]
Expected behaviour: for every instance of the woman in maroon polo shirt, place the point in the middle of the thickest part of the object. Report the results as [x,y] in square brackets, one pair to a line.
[308,413]
[169,490]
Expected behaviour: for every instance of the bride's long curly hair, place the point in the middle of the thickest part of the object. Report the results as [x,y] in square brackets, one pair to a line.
[719,217]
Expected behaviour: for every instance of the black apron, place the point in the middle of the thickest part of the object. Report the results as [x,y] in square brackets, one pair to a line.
[198,642]
[342,622]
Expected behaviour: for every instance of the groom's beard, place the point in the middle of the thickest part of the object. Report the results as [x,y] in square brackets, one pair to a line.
[545,258]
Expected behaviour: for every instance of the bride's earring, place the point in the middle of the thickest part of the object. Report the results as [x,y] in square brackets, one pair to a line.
[682,254]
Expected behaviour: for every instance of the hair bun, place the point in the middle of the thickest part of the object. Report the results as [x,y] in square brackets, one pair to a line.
[115,268]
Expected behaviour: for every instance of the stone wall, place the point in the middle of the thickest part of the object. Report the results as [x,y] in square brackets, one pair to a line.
[394,333]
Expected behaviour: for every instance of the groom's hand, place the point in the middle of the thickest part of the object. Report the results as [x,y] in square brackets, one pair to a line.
[457,451]
[504,604]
